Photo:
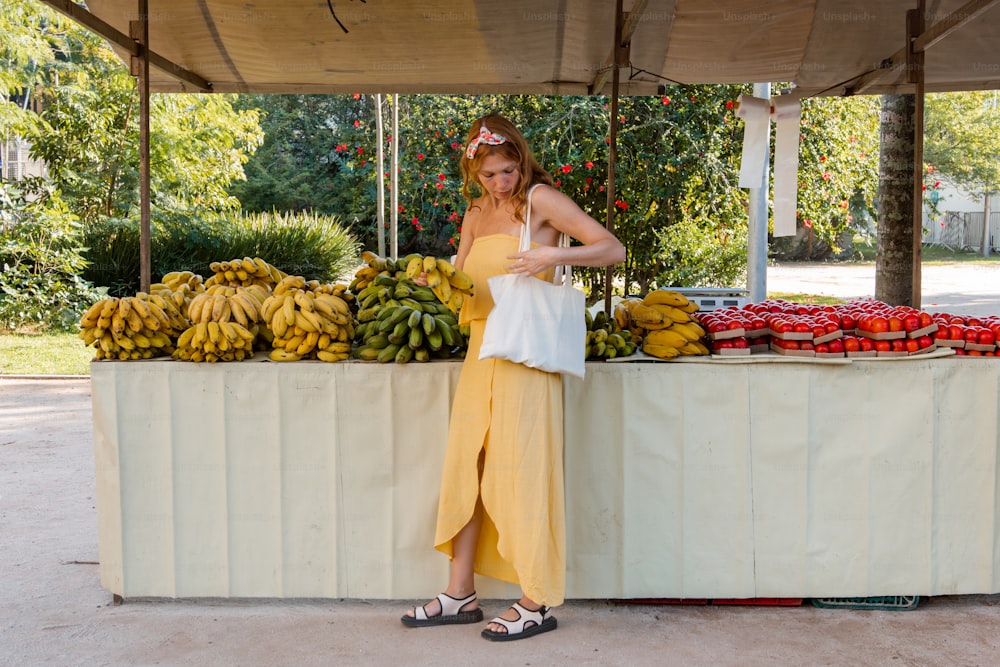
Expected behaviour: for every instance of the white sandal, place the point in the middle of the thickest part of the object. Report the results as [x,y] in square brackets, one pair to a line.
[451,613]
[528,624]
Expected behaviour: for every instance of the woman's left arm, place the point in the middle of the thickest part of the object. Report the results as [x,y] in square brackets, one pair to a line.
[600,247]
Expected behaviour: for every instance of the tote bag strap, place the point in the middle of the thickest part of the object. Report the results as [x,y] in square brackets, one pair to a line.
[563,273]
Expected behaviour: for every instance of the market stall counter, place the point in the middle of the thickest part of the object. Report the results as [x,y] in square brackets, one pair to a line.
[743,477]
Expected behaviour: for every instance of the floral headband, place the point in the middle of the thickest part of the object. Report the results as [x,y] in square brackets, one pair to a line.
[485,137]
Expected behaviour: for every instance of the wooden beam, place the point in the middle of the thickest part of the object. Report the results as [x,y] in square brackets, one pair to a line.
[951,23]
[125,42]
[922,42]
[630,22]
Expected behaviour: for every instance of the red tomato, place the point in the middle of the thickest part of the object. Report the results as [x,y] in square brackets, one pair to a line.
[912,345]
[851,344]
[925,341]
[911,322]
[836,345]
[879,324]
[883,346]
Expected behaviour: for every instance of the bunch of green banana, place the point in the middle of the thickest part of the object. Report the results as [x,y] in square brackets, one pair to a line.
[307,324]
[139,327]
[605,340]
[374,266]
[449,283]
[244,272]
[387,291]
[414,331]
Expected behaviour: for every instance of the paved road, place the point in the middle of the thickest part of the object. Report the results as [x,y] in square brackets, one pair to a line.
[963,289]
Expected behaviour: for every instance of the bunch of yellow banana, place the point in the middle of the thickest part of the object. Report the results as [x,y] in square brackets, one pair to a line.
[244,272]
[407,332]
[680,339]
[222,303]
[131,327]
[605,340]
[179,287]
[449,283]
[177,280]
[307,324]
[662,319]
[216,340]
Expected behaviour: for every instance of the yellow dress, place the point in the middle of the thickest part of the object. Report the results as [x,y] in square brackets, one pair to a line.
[514,416]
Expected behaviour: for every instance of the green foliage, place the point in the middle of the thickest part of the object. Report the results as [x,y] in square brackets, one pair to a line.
[86,122]
[962,140]
[838,176]
[677,165]
[312,245]
[41,254]
[693,255]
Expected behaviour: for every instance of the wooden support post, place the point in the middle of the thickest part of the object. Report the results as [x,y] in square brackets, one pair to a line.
[621,55]
[915,75]
[139,31]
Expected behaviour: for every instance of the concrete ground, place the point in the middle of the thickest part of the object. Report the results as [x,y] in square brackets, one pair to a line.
[53,610]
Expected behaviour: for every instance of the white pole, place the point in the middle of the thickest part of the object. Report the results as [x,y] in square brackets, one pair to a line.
[380,182]
[757,218]
[394,213]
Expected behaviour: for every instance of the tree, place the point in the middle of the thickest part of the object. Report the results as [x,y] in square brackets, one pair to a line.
[962,143]
[85,122]
[894,256]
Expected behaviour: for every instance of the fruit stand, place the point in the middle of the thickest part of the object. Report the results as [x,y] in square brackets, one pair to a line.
[742,477]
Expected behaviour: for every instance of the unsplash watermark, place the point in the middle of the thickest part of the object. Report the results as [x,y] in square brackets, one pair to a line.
[747,17]
[848,17]
[448,17]
[480,66]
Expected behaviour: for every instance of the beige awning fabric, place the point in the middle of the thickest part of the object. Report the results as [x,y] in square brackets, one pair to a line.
[824,47]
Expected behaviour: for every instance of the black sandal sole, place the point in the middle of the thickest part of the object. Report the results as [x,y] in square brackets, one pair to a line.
[462,618]
[547,625]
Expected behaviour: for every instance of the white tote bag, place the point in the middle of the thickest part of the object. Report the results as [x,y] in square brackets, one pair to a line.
[537,323]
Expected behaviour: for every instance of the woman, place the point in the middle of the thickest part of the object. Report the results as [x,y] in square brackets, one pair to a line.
[501,510]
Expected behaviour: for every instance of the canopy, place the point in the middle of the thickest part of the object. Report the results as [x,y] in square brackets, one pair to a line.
[823,47]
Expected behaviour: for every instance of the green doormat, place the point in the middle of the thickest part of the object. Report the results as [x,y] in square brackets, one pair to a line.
[891,603]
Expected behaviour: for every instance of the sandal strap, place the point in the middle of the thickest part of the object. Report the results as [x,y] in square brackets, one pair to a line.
[525,616]
[449,606]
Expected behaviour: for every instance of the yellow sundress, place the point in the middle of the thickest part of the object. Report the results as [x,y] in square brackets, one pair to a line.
[514,415]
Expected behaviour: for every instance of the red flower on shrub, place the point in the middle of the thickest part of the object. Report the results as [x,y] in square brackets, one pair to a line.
[566,168]
[807,223]
[665,100]
[441,177]
[588,164]
[729,104]
[357,123]
[420,156]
